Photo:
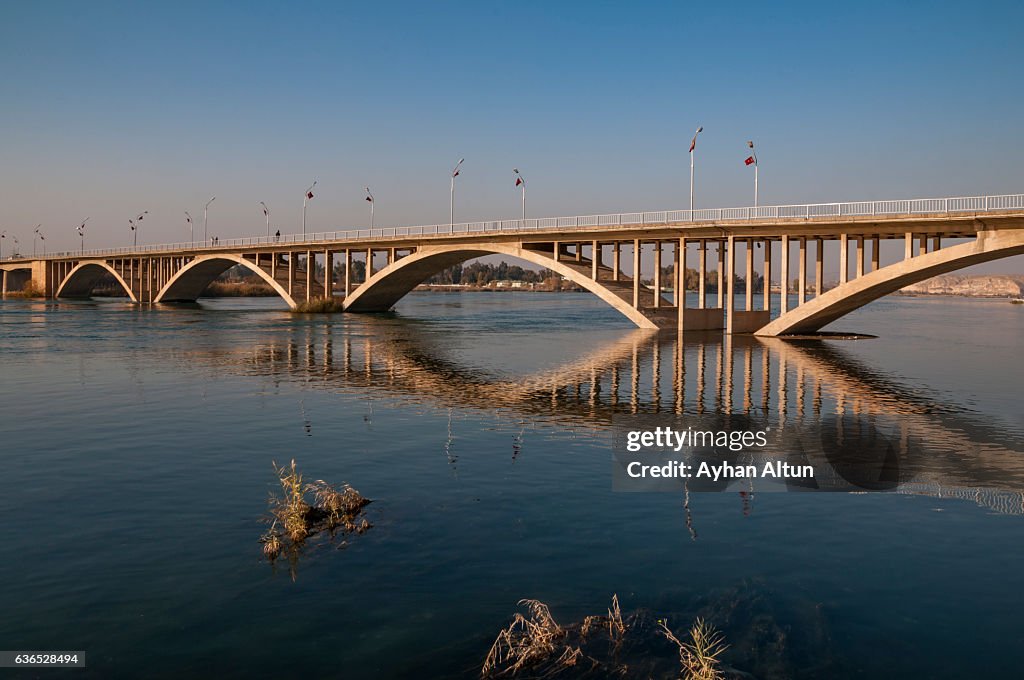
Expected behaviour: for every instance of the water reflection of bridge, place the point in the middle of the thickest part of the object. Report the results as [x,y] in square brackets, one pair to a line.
[807,386]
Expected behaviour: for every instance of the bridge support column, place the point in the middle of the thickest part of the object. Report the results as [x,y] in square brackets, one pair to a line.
[291,273]
[730,306]
[369,264]
[908,246]
[876,244]
[4,293]
[922,246]
[636,273]
[595,259]
[679,273]
[310,261]
[936,243]
[766,283]
[702,272]
[748,302]
[328,274]
[819,266]
[616,248]
[858,248]
[721,274]
[844,258]
[802,275]
[679,255]
[348,272]
[657,274]
[784,275]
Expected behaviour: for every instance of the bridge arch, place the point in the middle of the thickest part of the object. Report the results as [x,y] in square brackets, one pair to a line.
[390,284]
[85,275]
[841,300]
[190,281]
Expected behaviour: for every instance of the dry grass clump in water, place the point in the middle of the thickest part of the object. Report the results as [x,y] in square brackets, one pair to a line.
[299,519]
[534,645]
[699,656]
[320,305]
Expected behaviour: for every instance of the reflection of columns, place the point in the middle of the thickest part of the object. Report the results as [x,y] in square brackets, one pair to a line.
[616,247]
[721,274]
[719,374]
[729,292]
[348,272]
[657,274]
[678,375]
[701,383]
[802,276]
[748,378]
[656,376]
[636,273]
[819,266]
[783,389]
[727,342]
[766,284]
[801,386]
[634,379]
[844,258]
[875,245]
[765,379]
[701,292]
[748,303]
[615,385]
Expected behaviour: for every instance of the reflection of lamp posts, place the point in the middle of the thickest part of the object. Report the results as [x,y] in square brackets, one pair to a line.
[521,182]
[205,208]
[134,224]
[752,160]
[38,232]
[693,145]
[455,173]
[305,199]
[191,228]
[81,232]
[266,213]
[369,197]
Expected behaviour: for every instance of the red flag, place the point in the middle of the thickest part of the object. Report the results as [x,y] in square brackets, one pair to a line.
[370,199]
[309,194]
[519,180]
[455,174]
[750,161]
[693,144]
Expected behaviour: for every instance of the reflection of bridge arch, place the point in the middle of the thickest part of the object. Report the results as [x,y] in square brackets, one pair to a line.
[845,298]
[188,283]
[80,281]
[393,282]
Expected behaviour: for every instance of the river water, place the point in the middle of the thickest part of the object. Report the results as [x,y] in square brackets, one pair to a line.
[137,446]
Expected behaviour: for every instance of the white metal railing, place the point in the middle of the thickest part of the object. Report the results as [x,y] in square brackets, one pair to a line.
[917,206]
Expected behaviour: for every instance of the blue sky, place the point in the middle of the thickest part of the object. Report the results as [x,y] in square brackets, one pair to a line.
[113,108]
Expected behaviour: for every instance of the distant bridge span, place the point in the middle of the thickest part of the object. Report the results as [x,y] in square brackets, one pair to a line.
[589,251]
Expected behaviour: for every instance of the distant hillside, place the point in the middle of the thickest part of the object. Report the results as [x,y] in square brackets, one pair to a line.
[993,285]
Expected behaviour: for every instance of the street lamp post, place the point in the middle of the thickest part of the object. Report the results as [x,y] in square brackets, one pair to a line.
[369,197]
[17,250]
[266,214]
[521,182]
[205,209]
[81,233]
[134,224]
[35,232]
[752,160]
[693,146]
[455,173]
[191,228]
[305,199]
[3,235]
